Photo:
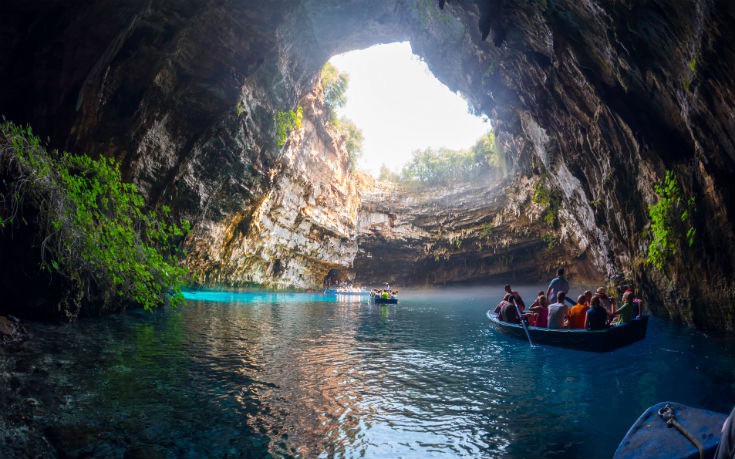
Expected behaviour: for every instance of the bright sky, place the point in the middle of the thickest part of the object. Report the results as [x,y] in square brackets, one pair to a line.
[401,107]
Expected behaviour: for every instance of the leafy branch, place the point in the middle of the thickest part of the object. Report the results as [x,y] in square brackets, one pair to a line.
[94,229]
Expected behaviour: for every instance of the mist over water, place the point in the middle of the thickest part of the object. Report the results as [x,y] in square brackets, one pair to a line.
[305,375]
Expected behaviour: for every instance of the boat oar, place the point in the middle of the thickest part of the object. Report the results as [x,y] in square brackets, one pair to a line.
[525,326]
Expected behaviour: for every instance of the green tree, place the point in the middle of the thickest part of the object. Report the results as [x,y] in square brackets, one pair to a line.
[353,139]
[386,174]
[334,84]
[440,166]
[487,152]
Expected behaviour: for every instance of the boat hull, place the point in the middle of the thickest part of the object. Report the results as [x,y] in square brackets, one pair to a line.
[379,300]
[650,438]
[583,340]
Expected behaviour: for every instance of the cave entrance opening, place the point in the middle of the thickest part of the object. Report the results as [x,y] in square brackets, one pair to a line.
[409,119]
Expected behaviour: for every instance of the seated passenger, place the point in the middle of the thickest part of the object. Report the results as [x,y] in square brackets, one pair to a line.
[540,307]
[607,302]
[557,312]
[538,297]
[637,304]
[500,305]
[596,316]
[588,298]
[578,313]
[508,311]
[518,300]
[625,312]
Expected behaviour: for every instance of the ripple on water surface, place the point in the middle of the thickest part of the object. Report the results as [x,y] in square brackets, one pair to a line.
[242,375]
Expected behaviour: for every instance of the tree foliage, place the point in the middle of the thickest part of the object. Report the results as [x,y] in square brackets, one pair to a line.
[386,174]
[353,138]
[443,165]
[334,84]
[287,121]
[95,230]
[672,221]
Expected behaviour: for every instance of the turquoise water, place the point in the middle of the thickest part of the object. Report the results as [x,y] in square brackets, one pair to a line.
[306,375]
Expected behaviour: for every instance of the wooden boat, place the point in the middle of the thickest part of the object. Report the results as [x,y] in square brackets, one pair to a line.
[583,340]
[651,438]
[380,300]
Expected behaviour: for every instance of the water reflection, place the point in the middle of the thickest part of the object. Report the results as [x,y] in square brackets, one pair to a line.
[245,375]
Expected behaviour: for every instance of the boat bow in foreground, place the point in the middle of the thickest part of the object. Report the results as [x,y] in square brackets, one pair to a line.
[651,437]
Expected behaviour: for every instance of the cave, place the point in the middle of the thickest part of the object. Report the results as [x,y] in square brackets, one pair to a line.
[597,100]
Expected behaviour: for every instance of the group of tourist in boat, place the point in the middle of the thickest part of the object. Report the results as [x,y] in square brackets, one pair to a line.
[591,311]
[385,293]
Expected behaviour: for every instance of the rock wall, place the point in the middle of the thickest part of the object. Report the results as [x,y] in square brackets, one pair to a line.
[479,231]
[302,227]
[603,97]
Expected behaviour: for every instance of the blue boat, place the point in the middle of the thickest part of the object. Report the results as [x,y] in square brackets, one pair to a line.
[582,340]
[652,438]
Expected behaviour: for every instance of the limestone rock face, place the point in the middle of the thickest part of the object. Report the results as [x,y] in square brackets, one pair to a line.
[302,227]
[603,97]
[482,230]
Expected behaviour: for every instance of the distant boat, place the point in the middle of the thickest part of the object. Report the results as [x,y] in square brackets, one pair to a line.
[380,300]
[580,339]
[651,438]
[350,291]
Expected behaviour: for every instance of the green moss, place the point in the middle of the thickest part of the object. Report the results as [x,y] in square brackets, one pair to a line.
[94,227]
[490,71]
[550,240]
[693,64]
[690,77]
[672,222]
[547,197]
[240,109]
[286,122]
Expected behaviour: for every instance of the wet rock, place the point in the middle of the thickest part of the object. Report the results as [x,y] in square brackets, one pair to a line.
[11,330]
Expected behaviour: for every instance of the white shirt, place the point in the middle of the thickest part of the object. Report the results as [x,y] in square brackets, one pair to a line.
[557,313]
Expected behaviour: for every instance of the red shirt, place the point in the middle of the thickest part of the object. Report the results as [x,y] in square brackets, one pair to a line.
[543,317]
[519,300]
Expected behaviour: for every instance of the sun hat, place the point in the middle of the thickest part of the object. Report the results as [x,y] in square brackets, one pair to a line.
[601,291]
